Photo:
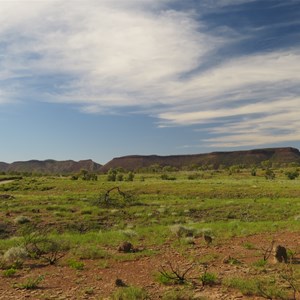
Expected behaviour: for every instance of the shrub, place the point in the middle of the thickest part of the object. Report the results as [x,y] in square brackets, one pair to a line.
[15,256]
[130,176]
[167,177]
[21,220]
[174,274]
[269,174]
[111,175]
[292,175]
[39,245]
[120,177]
[182,231]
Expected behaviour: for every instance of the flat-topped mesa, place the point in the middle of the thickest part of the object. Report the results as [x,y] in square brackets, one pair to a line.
[214,159]
[51,166]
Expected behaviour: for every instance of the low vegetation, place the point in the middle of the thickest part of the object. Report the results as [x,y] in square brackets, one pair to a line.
[179,225]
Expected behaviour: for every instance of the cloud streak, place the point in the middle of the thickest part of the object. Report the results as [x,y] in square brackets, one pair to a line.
[103,56]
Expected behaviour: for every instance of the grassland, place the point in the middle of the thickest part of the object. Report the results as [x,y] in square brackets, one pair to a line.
[242,213]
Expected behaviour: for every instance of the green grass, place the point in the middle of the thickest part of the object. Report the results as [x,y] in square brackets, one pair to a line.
[130,293]
[226,206]
[9,272]
[30,283]
[240,205]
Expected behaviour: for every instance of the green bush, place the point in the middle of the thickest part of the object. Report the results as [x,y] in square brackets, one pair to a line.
[292,174]
[111,175]
[167,177]
[269,174]
[15,256]
[130,176]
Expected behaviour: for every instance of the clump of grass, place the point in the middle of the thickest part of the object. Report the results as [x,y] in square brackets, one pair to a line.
[90,252]
[163,279]
[247,287]
[30,283]
[9,272]
[261,263]
[249,246]
[208,278]
[130,293]
[267,288]
[74,264]
[129,233]
[89,291]
[178,295]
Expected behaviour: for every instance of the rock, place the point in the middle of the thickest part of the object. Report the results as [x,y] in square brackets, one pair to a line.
[126,247]
[280,254]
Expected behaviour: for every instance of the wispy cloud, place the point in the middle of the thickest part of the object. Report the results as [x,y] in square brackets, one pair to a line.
[102,56]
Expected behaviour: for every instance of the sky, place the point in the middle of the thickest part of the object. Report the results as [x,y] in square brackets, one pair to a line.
[98,79]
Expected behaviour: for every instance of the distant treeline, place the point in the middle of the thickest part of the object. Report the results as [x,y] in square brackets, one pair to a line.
[10,178]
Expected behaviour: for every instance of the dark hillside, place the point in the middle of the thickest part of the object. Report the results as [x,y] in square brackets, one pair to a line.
[3,166]
[50,166]
[215,159]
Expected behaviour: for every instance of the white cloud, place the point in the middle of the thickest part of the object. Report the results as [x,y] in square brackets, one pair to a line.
[117,55]
[112,54]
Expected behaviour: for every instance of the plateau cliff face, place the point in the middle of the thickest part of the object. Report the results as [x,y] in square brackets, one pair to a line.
[133,162]
[215,159]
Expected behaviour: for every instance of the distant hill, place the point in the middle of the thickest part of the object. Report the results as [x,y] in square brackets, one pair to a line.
[215,159]
[135,162]
[50,166]
[3,166]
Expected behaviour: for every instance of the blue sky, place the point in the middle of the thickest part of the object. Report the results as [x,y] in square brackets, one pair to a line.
[104,78]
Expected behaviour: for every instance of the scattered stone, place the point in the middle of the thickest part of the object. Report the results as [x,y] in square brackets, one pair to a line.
[126,247]
[207,238]
[119,282]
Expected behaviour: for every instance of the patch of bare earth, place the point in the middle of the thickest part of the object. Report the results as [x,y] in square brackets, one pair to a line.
[98,280]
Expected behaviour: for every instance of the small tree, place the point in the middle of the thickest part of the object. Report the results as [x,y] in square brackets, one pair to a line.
[130,176]
[269,174]
[292,174]
[266,164]
[112,175]
[120,177]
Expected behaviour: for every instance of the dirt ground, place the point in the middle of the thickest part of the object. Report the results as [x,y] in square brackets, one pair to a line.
[97,281]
